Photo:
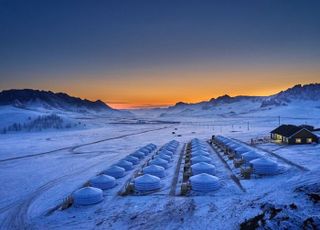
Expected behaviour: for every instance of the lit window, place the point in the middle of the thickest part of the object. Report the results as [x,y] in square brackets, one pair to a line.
[298,140]
[309,140]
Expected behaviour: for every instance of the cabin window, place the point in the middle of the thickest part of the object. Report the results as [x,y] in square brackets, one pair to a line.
[309,140]
[298,140]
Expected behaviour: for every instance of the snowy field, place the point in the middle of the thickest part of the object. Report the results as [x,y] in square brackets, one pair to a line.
[39,169]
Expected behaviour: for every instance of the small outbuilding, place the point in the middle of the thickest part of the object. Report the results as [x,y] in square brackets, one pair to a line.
[292,134]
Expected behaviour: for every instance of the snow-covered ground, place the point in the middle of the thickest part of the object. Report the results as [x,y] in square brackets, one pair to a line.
[39,169]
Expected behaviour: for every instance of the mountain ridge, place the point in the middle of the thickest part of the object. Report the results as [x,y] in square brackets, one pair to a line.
[228,105]
[25,98]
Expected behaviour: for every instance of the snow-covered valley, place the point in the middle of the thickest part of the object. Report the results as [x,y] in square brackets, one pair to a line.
[40,169]
[42,166]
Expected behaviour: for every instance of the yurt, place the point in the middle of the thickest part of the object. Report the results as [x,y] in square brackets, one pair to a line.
[198,159]
[225,141]
[204,182]
[193,149]
[145,151]
[165,157]
[132,159]
[160,162]
[251,155]
[87,196]
[154,170]
[263,166]
[115,171]
[103,182]
[147,182]
[166,154]
[200,153]
[158,157]
[153,146]
[138,154]
[171,148]
[127,165]
[203,167]
[232,145]
[164,151]
[240,150]
[150,147]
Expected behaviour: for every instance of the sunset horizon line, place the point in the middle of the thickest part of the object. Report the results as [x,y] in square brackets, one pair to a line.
[125,105]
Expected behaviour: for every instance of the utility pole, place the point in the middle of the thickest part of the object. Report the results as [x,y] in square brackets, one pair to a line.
[248,126]
[279,120]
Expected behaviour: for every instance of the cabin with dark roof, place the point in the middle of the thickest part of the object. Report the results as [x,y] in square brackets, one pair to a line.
[292,134]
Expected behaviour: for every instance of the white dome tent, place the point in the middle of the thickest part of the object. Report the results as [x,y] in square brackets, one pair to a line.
[199,147]
[145,151]
[166,154]
[115,171]
[149,148]
[165,157]
[203,167]
[233,145]
[154,170]
[164,151]
[241,150]
[198,159]
[147,182]
[132,159]
[103,182]
[160,162]
[264,166]
[125,164]
[204,182]
[138,154]
[249,156]
[87,196]
[200,153]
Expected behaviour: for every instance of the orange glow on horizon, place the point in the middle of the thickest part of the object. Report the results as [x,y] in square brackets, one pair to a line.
[162,88]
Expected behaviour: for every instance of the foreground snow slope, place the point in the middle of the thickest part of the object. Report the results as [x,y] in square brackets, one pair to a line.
[38,170]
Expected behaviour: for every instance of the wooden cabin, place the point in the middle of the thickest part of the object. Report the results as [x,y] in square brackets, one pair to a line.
[292,134]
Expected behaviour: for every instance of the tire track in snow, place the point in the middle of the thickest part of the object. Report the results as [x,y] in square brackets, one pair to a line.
[72,148]
[18,216]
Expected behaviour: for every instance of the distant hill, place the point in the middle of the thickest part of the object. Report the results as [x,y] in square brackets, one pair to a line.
[38,99]
[297,96]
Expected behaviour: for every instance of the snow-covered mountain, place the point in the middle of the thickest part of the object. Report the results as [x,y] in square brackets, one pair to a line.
[36,99]
[289,100]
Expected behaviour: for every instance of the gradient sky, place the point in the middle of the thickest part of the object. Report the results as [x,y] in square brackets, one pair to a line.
[151,53]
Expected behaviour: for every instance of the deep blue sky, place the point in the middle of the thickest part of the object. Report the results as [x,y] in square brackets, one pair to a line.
[52,41]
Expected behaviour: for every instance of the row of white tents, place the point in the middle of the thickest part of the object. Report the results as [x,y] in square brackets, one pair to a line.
[155,170]
[107,179]
[202,168]
[260,164]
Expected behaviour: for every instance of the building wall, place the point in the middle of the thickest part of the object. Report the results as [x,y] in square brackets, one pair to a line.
[302,135]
